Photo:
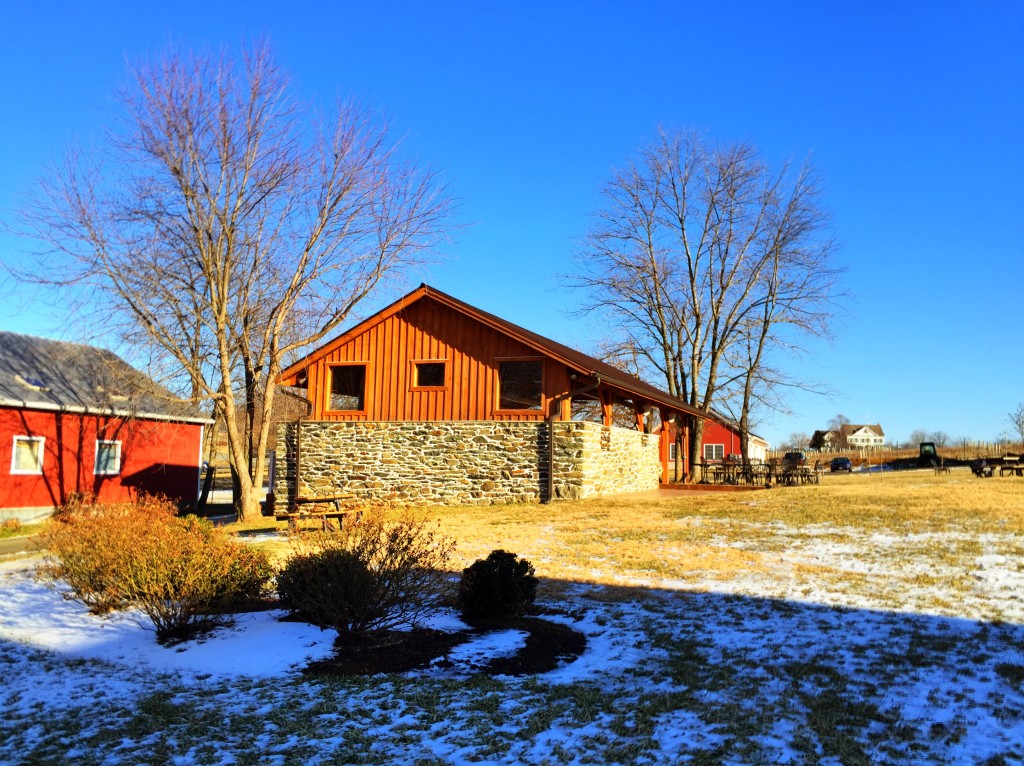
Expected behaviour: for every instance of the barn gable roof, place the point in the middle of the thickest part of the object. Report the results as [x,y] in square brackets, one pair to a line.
[44,374]
[576,360]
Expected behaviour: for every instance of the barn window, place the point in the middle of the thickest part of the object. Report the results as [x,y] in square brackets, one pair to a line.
[520,384]
[429,375]
[108,458]
[348,387]
[27,454]
[714,451]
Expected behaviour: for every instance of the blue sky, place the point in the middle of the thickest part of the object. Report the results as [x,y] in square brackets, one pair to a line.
[913,113]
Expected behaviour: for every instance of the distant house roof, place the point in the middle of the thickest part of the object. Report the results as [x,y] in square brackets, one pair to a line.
[850,428]
[44,374]
[572,358]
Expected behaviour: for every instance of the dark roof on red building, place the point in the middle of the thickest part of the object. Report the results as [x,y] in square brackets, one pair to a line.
[45,374]
[576,360]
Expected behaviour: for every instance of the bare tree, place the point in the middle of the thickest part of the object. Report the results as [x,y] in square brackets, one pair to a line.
[227,226]
[836,423]
[940,438]
[1016,419]
[917,436]
[711,263]
[798,440]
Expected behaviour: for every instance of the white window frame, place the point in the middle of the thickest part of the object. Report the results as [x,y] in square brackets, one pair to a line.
[720,450]
[40,455]
[96,461]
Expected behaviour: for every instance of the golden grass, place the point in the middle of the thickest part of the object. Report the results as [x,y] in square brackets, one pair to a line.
[932,528]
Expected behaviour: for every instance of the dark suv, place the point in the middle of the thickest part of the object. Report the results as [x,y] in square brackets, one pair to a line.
[793,460]
[841,464]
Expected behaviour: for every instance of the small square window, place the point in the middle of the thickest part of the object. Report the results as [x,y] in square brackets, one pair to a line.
[348,387]
[429,375]
[108,458]
[27,455]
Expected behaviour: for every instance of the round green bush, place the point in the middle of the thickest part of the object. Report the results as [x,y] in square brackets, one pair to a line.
[502,585]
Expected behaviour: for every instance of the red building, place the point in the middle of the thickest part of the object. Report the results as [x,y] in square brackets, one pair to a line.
[721,438]
[76,419]
[431,358]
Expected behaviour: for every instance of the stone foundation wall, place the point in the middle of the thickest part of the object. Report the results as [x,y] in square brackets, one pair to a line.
[605,460]
[463,462]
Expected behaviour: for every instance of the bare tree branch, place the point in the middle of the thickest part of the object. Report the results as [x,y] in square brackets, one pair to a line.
[226,226]
[712,264]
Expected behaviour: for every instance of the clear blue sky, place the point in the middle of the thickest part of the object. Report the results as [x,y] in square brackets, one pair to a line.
[912,111]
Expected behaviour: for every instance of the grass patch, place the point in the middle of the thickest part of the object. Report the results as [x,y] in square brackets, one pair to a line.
[21,530]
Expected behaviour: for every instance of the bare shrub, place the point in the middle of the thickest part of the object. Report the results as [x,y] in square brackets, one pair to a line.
[182,573]
[89,545]
[375,574]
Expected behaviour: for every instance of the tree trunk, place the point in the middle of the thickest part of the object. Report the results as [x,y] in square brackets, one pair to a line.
[696,437]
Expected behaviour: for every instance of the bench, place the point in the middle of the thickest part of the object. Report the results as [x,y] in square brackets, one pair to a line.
[1012,466]
[326,519]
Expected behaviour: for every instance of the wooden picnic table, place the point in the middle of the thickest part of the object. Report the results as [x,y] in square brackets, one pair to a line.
[1012,466]
[326,519]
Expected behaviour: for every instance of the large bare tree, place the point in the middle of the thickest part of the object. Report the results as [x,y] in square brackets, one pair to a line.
[712,264]
[226,225]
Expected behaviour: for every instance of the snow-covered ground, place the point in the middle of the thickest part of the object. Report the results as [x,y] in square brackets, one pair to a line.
[757,670]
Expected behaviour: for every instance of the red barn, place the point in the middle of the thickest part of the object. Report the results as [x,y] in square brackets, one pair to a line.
[77,419]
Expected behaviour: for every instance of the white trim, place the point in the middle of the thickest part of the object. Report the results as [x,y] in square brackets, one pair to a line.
[96,460]
[721,447]
[77,409]
[40,455]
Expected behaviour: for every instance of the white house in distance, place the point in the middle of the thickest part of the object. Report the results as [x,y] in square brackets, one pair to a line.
[863,436]
[850,436]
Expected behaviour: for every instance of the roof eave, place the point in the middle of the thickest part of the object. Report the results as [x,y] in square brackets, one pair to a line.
[77,409]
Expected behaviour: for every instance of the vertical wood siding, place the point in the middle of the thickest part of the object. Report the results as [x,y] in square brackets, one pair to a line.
[428,331]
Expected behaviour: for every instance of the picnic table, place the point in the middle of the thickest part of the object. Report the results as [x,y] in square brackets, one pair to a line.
[325,519]
[1011,465]
[734,472]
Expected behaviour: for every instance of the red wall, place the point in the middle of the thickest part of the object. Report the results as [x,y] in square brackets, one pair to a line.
[156,458]
[716,433]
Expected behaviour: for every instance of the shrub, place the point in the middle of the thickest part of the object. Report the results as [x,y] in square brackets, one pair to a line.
[374,574]
[182,573]
[501,585]
[90,544]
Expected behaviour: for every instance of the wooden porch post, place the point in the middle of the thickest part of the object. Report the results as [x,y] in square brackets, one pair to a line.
[606,407]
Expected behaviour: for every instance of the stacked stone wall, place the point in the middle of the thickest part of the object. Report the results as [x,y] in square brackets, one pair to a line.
[463,462]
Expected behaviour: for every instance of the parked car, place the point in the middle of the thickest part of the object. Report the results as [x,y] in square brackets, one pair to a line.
[793,460]
[840,464]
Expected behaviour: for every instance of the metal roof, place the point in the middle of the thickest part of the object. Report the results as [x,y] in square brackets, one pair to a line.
[44,374]
[577,360]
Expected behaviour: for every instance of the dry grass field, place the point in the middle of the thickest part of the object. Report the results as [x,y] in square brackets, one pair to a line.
[902,540]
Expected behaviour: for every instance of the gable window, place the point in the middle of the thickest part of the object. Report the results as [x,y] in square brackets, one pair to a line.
[27,457]
[714,451]
[108,458]
[428,374]
[348,387]
[520,384]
